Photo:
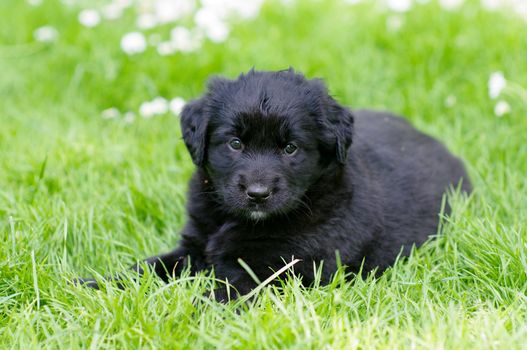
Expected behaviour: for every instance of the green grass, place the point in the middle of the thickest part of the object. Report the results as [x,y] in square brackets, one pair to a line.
[81,195]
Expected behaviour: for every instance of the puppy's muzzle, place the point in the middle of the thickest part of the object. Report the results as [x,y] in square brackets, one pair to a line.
[258,193]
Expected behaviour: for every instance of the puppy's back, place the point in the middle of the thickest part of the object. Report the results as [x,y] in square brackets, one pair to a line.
[404,151]
[413,171]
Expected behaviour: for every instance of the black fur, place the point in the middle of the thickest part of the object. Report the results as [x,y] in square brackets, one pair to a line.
[363,183]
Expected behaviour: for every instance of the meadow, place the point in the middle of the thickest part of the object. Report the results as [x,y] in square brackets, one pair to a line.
[93,173]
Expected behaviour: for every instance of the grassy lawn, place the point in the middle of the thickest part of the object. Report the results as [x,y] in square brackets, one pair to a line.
[83,195]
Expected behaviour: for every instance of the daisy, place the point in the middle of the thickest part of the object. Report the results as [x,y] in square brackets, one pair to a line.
[133,43]
[89,18]
[45,34]
[496,84]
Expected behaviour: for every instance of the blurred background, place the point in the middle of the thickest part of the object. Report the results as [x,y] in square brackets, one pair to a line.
[131,58]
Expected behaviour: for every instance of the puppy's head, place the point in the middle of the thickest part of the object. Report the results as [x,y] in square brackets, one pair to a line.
[265,139]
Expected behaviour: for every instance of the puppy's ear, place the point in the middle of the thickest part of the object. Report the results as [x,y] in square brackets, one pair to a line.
[340,122]
[336,121]
[194,123]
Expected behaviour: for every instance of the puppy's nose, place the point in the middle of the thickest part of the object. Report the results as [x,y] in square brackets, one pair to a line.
[258,192]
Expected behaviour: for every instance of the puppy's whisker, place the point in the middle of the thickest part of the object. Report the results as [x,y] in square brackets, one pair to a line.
[302,207]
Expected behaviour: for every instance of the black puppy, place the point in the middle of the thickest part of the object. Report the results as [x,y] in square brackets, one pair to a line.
[283,170]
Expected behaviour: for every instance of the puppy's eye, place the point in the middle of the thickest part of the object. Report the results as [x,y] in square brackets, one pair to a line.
[236,144]
[290,149]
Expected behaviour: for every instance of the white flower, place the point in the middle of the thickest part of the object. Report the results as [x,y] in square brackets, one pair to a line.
[146,109]
[247,9]
[165,11]
[172,10]
[180,35]
[502,108]
[210,20]
[206,16]
[217,33]
[211,23]
[146,21]
[496,84]
[129,117]
[176,105]
[133,43]
[520,8]
[399,5]
[491,5]
[184,40]
[159,105]
[110,113]
[450,101]
[89,18]
[394,23]
[112,11]
[124,3]
[165,48]
[149,109]
[34,2]
[45,34]
[218,8]
[450,4]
